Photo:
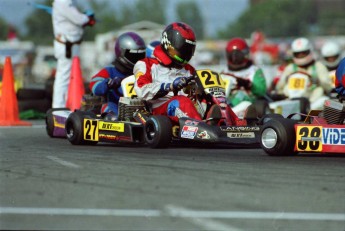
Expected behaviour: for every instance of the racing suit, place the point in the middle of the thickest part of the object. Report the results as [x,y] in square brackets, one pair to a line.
[151,76]
[318,72]
[99,86]
[257,88]
[340,78]
[68,30]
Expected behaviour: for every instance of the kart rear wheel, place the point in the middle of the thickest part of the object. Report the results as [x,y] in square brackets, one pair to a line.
[75,129]
[278,137]
[50,120]
[158,131]
[264,119]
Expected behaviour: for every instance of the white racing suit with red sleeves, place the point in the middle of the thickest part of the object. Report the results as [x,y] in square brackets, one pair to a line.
[152,74]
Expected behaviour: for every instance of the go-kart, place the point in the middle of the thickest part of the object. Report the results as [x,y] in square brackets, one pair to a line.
[300,87]
[322,131]
[293,101]
[136,124]
[232,88]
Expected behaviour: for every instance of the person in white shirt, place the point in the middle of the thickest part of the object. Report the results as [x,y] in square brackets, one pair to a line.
[68,26]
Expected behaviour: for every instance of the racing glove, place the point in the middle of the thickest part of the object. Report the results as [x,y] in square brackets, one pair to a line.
[244,83]
[178,84]
[92,20]
[114,83]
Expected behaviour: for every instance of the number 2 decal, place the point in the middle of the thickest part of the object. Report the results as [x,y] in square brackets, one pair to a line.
[309,138]
[210,78]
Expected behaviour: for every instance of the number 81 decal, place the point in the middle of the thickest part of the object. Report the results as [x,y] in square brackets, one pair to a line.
[308,138]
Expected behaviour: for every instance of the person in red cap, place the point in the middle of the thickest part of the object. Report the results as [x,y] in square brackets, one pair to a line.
[160,79]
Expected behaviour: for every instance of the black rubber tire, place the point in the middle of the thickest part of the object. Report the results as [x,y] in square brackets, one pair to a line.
[286,137]
[158,131]
[30,94]
[50,120]
[264,119]
[40,105]
[75,130]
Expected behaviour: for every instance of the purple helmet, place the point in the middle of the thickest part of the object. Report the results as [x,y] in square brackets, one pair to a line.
[129,48]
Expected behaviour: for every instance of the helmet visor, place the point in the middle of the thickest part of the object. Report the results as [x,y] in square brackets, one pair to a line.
[182,53]
[301,54]
[135,55]
[236,57]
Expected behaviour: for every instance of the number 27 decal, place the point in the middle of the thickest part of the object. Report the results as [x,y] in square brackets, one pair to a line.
[90,130]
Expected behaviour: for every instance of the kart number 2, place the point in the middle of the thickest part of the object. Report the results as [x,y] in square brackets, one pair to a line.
[90,130]
[210,79]
[309,138]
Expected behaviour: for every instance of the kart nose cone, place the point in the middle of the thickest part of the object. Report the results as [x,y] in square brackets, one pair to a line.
[269,138]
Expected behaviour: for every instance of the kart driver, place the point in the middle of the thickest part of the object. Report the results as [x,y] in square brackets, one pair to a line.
[160,79]
[340,79]
[304,60]
[249,77]
[129,48]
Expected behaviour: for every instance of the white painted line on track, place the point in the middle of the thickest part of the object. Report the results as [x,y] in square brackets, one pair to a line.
[82,212]
[63,162]
[174,213]
[204,223]
[258,215]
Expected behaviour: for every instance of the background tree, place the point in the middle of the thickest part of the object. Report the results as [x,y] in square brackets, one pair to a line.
[4,29]
[39,26]
[151,10]
[189,13]
[283,18]
[332,22]
[107,19]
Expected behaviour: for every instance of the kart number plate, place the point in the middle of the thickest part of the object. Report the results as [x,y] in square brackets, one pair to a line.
[309,138]
[90,129]
[129,88]
[210,78]
[297,83]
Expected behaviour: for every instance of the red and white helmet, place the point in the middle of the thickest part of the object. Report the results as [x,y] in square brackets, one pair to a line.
[302,51]
[237,53]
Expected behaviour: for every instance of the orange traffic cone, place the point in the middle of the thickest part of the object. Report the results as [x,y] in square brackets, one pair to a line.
[76,88]
[9,115]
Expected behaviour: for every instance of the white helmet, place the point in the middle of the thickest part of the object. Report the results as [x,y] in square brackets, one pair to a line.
[330,52]
[302,51]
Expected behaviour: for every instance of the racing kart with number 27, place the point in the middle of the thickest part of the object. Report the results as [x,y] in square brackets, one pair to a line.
[136,124]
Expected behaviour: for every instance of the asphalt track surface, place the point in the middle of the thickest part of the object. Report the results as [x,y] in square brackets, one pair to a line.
[49,184]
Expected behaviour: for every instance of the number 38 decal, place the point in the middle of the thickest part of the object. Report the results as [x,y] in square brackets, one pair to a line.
[309,138]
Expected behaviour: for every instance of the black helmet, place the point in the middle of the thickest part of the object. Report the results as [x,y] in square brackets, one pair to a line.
[129,48]
[178,42]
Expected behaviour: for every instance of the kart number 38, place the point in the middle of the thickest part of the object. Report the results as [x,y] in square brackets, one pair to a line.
[309,138]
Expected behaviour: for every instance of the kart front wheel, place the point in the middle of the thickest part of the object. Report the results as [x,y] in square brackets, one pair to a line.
[75,130]
[158,131]
[278,137]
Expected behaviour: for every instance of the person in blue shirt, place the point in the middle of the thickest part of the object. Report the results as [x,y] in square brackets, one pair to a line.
[340,79]
[129,48]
